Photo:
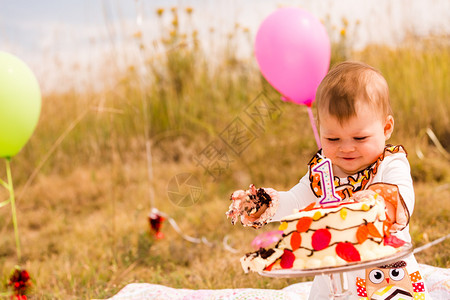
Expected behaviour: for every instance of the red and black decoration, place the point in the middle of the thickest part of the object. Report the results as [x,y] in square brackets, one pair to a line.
[156,219]
[20,283]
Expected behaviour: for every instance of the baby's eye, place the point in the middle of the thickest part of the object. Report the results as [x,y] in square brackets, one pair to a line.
[360,138]
[333,139]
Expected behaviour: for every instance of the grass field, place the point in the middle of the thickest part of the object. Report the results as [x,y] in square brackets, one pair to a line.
[83,187]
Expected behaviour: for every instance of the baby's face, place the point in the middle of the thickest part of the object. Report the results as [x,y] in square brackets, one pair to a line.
[357,143]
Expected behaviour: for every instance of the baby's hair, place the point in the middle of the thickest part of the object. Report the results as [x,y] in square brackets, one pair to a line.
[348,83]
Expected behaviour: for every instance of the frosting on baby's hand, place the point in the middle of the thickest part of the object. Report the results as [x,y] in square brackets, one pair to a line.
[255,207]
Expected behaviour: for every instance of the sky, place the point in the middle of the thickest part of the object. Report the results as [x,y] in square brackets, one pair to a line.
[53,36]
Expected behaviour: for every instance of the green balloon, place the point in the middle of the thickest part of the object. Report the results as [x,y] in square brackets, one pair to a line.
[20,104]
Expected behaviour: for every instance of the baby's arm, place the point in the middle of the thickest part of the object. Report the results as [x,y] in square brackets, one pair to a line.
[296,198]
[398,172]
[256,210]
[396,187]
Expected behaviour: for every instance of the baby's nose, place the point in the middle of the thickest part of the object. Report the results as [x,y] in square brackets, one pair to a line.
[347,147]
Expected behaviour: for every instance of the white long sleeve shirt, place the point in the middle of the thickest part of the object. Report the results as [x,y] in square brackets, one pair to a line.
[393,169]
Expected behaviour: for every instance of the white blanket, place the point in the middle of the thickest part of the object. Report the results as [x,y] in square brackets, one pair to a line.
[437,281]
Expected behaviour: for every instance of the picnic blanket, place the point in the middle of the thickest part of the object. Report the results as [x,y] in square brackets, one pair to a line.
[437,281]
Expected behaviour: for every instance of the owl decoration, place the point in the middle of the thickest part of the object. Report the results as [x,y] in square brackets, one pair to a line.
[391,282]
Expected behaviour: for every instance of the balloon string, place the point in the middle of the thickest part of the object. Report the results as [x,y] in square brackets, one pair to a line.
[201,240]
[313,125]
[13,206]
[147,118]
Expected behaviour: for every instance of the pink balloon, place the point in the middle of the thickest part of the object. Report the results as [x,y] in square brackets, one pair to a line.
[293,53]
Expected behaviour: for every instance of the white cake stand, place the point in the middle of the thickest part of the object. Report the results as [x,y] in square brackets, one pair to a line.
[338,277]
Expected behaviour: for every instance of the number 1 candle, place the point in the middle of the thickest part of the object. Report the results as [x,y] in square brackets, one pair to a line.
[326,182]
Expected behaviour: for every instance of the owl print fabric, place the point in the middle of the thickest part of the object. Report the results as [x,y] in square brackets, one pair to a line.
[391,282]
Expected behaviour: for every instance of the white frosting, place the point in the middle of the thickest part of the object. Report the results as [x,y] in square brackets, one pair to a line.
[342,230]
[253,261]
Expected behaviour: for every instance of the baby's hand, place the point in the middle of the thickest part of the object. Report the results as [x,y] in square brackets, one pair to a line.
[250,205]
[397,213]
[362,195]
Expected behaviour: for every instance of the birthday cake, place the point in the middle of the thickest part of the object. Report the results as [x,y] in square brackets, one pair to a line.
[333,235]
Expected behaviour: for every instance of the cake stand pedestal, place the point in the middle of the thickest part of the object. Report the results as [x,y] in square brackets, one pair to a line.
[338,277]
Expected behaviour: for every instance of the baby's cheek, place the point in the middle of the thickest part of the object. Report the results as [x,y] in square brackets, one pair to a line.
[328,151]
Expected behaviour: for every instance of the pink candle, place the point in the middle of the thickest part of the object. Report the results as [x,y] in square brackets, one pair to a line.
[326,182]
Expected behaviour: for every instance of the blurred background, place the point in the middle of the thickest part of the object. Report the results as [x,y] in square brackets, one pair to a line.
[138,99]
[55,37]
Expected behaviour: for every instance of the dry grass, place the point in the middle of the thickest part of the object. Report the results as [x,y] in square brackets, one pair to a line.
[86,235]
